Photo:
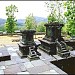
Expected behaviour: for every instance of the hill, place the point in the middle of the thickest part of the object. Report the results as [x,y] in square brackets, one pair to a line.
[39,19]
[2,21]
[22,21]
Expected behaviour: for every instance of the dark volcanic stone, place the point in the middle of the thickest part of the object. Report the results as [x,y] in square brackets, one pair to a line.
[53,32]
[26,42]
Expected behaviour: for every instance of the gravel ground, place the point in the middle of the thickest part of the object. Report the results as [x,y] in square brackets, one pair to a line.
[8,40]
[11,40]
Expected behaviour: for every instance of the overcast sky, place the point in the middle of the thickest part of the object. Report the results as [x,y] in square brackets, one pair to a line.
[38,8]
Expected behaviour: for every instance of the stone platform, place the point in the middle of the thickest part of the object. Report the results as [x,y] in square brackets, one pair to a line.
[24,66]
[4,55]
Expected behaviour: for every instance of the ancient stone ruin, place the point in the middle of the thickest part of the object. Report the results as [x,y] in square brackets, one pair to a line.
[27,46]
[53,42]
[4,54]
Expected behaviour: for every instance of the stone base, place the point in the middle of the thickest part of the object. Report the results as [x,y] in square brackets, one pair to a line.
[33,58]
[23,50]
[71,43]
[21,55]
[39,54]
[66,64]
[48,47]
[4,55]
[45,50]
[4,58]
[64,55]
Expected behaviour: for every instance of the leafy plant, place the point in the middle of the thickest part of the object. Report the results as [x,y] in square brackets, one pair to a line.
[11,22]
[54,7]
[30,22]
[2,28]
[40,27]
[70,16]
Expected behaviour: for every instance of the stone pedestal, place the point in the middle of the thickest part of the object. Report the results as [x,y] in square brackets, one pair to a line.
[23,50]
[53,32]
[26,42]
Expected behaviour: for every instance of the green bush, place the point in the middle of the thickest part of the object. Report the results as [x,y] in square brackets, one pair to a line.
[2,28]
[41,27]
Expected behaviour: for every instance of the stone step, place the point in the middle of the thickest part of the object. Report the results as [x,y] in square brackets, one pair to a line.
[63,48]
[62,45]
[64,51]
[65,54]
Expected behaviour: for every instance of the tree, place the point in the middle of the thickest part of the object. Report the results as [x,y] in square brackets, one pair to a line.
[11,22]
[52,15]
[30,22]
[41,27]
[70,16]
[2,28]
[54,7]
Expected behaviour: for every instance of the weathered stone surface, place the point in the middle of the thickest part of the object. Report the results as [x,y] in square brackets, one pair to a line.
[53,32]
[12,69]
[38,69]
[4,55]
[26,42]
[23,66]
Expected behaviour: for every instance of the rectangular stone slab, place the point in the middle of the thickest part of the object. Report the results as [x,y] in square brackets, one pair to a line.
[4,54]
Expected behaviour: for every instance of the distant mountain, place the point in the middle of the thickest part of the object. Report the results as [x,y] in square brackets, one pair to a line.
[39,19]
[2,21]
[22,21]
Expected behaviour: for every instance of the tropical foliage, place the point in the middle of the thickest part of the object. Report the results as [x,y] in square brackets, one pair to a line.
[11,22]
[54,8]
[41,27]
[70,16]
[30,22]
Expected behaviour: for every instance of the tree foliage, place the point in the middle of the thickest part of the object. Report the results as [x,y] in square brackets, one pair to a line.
[11,22]
[41,27]
[2,28]
[54,7]
[52,15]
[70,16]
[30,22]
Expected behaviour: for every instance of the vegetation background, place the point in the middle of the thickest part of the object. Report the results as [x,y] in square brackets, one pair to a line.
[66,17]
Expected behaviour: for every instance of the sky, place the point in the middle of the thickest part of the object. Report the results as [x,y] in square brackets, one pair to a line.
[38,8]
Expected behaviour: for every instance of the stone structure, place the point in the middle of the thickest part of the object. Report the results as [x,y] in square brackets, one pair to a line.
[4,54]
[70,43]
[67,65]
[26,42]
[49,43]
[63,49]
[53,31]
